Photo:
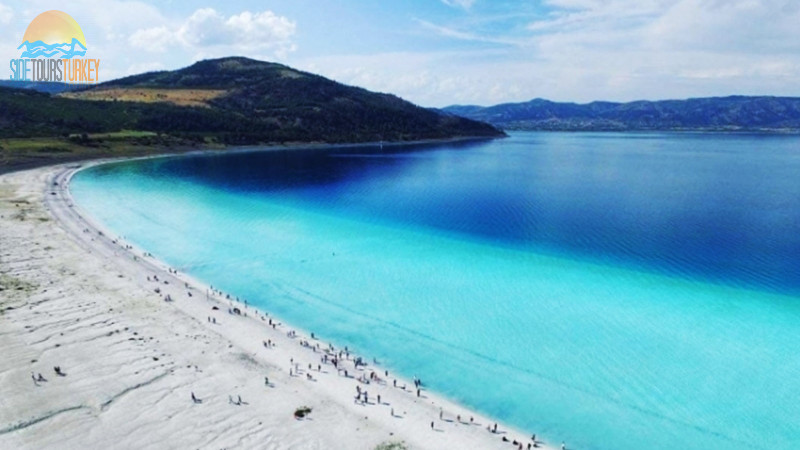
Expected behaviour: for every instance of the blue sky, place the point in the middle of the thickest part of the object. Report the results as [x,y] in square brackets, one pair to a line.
[441,52]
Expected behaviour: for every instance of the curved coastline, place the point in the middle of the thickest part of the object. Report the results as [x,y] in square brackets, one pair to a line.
[247,337]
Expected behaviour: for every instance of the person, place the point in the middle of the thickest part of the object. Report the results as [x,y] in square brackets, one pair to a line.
[417,392]
[379,399]
[266,381]
[431,425]
[494,430]
[440,413]
[563,446]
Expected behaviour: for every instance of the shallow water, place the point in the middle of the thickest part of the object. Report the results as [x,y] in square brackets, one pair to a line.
[611,290]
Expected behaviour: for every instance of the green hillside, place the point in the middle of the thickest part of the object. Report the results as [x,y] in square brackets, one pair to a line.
[213,103]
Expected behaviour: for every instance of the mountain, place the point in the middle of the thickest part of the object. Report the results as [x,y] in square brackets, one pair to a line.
[244,101]
[210,104]
[735,113]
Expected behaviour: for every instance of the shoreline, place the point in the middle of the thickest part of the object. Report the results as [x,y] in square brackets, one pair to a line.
[330,394]
[163,152]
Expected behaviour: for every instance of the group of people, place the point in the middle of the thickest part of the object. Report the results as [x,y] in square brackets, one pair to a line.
[39,378]
[331,356]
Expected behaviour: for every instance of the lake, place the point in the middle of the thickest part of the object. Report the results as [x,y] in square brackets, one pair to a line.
[615,291]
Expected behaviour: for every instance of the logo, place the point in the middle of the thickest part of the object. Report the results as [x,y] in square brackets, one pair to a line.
[52,48]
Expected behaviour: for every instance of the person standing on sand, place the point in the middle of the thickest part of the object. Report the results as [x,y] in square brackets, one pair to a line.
[431,425]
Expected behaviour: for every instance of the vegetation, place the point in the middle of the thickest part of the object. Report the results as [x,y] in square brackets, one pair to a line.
[301,412]
[392,446]
[41,86]
[737,113]
[216,103]
[180,97]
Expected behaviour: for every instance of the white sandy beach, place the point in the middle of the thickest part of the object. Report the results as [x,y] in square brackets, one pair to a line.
[74,297]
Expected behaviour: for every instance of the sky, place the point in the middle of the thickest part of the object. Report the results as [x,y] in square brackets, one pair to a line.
[442,52]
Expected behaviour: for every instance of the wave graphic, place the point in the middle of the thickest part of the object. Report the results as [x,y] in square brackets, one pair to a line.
[40,49]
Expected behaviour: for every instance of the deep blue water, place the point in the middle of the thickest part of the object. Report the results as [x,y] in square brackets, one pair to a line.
[611,290]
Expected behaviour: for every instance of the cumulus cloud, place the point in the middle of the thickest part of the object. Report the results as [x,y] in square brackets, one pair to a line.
[210,32]
[155,39]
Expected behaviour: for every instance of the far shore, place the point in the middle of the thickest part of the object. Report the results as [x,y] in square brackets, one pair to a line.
[149,356]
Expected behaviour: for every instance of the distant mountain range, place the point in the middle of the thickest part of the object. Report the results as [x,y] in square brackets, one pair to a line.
[735,113]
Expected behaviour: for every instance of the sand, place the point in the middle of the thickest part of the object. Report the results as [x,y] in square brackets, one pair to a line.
[74,297]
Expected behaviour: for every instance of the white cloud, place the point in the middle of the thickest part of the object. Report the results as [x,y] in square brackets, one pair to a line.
[155,39]
[427,79]
[466,4]
[6,14]
[210,32]
[465,35]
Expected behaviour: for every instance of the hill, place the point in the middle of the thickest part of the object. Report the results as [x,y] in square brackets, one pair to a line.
[262,102]
[735,113]
[213,103]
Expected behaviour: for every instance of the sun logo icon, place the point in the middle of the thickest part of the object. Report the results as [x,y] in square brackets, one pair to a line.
[53,34]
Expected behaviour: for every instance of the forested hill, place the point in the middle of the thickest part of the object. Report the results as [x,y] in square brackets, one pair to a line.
[245,101]
[229,101]
[735,113]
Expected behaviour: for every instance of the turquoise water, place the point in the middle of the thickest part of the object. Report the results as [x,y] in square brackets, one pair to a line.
[610,290]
